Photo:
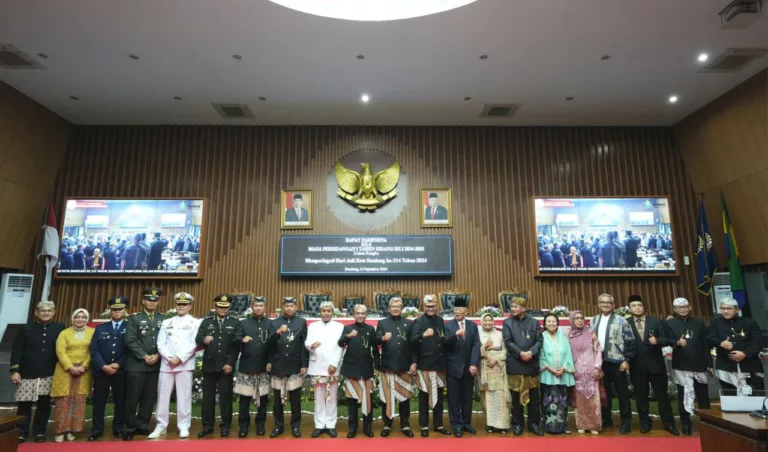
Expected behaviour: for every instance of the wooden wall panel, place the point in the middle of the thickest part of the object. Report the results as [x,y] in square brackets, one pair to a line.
[725,148]
[33,142]
[493,173]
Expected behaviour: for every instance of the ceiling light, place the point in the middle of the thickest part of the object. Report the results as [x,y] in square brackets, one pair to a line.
[361,57]
[672,99]
[483,57]
[42,55]
[703,57]
[133,57]
[365,98]
[569,98]
[177,97]
[237,57]
[262,98]
[73,98]
[605,57]
[467,99]
[372,10]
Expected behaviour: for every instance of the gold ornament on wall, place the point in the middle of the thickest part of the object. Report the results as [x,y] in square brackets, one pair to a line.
[366,190]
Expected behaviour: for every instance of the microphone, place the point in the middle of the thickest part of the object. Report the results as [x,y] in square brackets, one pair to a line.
[761,414]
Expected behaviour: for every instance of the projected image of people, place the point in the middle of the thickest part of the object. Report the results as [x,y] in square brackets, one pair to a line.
[125,237]
[604,235]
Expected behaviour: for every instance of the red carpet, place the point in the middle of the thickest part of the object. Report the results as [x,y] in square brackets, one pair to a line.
[572,444]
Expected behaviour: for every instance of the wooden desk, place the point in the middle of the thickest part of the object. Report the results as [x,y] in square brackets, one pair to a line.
[9,433]
[731,431]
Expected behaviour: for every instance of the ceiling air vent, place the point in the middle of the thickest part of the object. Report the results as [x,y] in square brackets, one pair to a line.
[733,60]
[233,111]
[13,58]
[499,110]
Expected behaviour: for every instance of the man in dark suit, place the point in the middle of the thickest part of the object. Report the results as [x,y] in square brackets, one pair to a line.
[651,335]
[179,246]
[288,365]
[630,249]
[360,361]
[435,211]
[427,338]
[462,346]
[546,258]
[557,256]
[109,369]
[156,251]
[79,258]
[110,258]
[297,213]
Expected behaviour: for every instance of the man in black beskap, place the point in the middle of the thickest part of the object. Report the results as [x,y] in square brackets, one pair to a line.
[288,365]
[690,361]
[427,339]
[648,367]
[360,361]
[252,378]
[398,366]
[738,341]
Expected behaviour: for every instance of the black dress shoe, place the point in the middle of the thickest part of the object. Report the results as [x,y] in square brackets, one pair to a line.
[93,438]
[332,432]
[205,432]
[317,433]
[517,430]
[296,433]
[469,429]
[457,433]
[625,430]
[276,432]
[143,432]
[242,433]
[128,436]
[536,430]
[443,431]
[224,432]
[687,431]
[645,428]
[385,432]
[408,433]
[39,438]
[368,432]
[117,434]
[22,438]
[671,430]
[260,430]
[424,432]
[352,434]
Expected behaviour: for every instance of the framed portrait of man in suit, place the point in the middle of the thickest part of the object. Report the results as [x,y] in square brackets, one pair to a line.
[296,209]
[435,208]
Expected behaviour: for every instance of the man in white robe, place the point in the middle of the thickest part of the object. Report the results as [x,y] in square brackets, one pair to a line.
[324,362]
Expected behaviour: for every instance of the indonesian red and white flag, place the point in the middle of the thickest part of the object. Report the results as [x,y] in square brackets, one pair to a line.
[50,250]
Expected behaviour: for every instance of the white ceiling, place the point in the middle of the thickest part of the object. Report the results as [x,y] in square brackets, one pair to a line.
[417,71]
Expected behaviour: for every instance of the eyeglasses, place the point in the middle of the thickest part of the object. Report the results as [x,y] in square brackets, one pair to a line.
[430,306]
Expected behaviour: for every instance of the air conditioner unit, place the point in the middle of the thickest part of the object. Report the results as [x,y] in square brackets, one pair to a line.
[15,299]
[740,14]
[721,288]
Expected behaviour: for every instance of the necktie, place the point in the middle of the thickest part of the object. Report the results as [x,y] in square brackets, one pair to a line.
[433,213]
[114,328]
[298,214]
[462,327]
[221,324]
[641,327]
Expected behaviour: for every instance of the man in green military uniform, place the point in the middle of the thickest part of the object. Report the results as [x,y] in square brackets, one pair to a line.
[142,364]
[220,336]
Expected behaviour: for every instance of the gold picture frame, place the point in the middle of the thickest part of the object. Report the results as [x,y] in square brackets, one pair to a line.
[293,217]
[437,213]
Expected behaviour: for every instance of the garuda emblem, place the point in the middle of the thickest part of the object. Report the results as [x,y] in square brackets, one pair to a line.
[366,190]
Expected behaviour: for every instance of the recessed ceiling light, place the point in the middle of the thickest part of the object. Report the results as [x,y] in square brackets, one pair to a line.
[74,98]
[361,57]
[177,97]
[42,55]
[483,57]
[133,57]
[569,98]
[365,98]
[262,98]
[467,99]
[673,99]
[605,57]
[237,57]
[702,57]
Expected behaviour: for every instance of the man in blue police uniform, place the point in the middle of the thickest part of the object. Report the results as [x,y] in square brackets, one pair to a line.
[109,369]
